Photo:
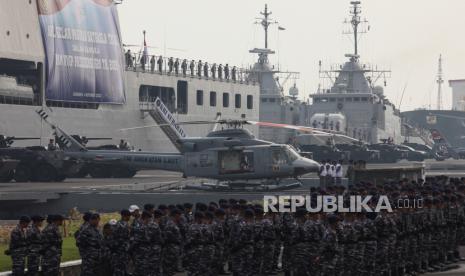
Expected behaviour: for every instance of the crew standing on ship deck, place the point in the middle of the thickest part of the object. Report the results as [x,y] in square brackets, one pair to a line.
[176,66]
[184,67]
[205,70]
[51,145]
[199,68]
[170,65]
[226,71]
[160,64]
[192,67]
[152,64]
[220,71]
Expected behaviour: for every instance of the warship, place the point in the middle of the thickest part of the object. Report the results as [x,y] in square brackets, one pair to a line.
[355,104]
[449,124]
[68,58]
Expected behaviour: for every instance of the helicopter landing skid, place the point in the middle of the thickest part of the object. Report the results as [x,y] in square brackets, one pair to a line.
[250,186]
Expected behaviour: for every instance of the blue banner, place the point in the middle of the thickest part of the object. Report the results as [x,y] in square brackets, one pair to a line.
[84,55]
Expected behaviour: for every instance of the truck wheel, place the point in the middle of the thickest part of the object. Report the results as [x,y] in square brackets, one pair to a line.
[45,173]
[22,173]
[7,177]
[100,172]
[123,173]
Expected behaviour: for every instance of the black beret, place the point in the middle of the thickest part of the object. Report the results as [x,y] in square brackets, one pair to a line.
[125,213]
[158,213]
[149,206]
[199,215]
[95,216]
[25,219]
[220,212]
[162,207]
[188,205]
[86,216]
[248,213]
[209,215]
[37,218]
[146,214]
[175,212]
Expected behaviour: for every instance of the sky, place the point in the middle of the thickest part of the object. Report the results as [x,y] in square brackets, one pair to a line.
[405,36]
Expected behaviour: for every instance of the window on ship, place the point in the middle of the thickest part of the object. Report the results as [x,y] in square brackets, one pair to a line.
[249,102]
[148,93]
[212,98]
[182,97]
[238,100]
[225,99]
[199,97]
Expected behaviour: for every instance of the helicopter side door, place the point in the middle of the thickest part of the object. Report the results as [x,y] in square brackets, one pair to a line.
[232,162]
[201,164]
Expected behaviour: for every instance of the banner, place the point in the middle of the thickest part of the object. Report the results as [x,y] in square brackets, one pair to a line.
[84,55]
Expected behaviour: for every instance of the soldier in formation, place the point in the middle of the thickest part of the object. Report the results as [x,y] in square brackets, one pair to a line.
[207,238]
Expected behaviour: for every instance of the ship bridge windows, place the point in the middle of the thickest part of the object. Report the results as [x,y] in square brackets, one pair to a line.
[356,99]
[332,100]
[237,101]
[212,98]
[148,93]
[199,97]
[348,99]
[249,102]
[364,99]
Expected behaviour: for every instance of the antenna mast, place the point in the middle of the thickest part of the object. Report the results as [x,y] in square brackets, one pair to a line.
[440,81]
[355,22]
[266,23]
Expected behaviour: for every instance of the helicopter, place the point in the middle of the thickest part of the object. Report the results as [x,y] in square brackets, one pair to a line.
[229,154]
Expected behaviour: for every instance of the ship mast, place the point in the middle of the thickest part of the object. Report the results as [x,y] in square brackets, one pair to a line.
[266,23]
[439,81]
[355,22]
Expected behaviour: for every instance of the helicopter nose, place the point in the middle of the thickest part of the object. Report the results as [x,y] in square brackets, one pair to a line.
[304,166]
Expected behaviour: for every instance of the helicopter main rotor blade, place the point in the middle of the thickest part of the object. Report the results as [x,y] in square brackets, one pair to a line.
[177,123]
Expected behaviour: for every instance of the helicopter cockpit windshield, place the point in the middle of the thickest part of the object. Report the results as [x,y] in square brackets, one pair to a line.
[284,155]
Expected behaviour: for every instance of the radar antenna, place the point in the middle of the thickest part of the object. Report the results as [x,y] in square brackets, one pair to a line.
[440,81]
[355,22]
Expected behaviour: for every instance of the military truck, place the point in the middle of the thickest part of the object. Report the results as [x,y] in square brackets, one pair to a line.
[7,169]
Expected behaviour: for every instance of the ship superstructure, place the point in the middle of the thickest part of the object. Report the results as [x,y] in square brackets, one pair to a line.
[274,105]
[192,91]
[354,104]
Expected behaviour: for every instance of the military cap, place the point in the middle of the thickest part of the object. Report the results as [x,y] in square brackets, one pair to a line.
[175,212]
[180,207]
[222,201]
[86,216]
[249,213]
[95,216]
[162,207]
[149,206]
[37,218]
[158,213]
[220,212]
[209,215]
[199,215]
[188,205]
[25,219]
[146,214]
[133,208]
[125,213]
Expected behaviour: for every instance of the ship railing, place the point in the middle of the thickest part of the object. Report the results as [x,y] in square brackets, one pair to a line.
[178,67]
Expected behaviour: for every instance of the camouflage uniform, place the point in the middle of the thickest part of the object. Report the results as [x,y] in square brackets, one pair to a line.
[316,231]
[156,241]
[370,240]
[171,250]
[140,249]
[382,253]
[194,247]
[288,228]
[119,256]
[90,241]
[208,252]
[219,235]
[242,237]
[269,238]
[18,249]
[330,253]
[258,248]
[301,249]
[34,235]
[351,238]
[52,250]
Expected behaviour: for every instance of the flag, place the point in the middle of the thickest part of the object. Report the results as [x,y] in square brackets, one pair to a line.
[281,28]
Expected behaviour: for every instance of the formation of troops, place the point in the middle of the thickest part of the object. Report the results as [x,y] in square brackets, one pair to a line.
[235,235]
